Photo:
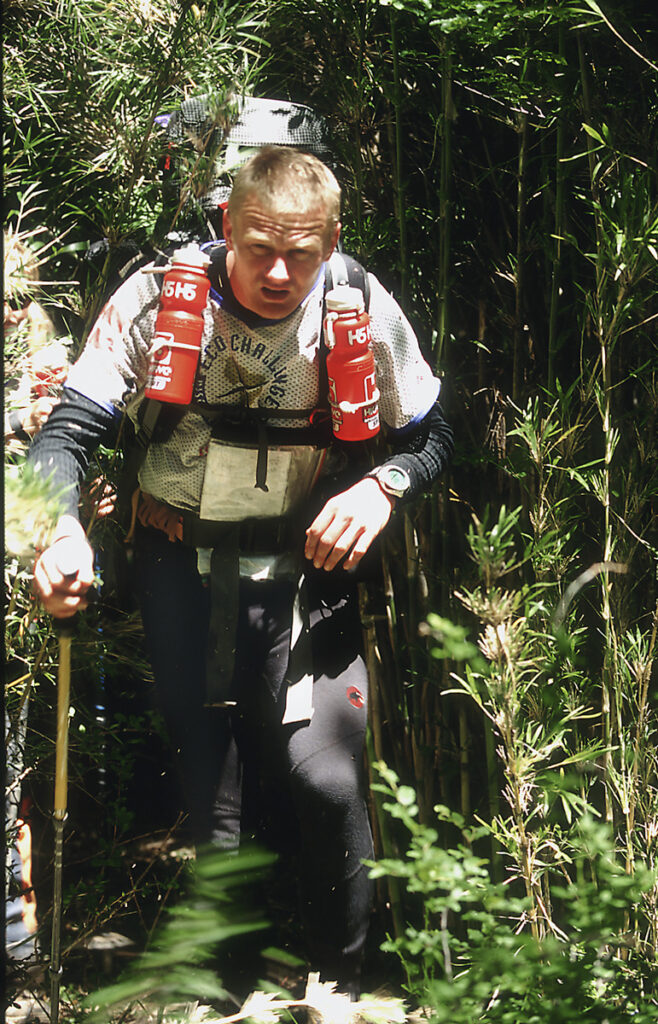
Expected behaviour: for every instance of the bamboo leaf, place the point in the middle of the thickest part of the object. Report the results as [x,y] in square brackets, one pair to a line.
[593,133]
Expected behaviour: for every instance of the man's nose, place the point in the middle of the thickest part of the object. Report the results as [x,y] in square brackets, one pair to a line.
[279,271]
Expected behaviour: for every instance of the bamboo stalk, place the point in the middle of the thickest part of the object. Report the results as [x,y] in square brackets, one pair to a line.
[514,779]
[28,679]
[482,333]
[358,156]
[608,670]
[436,737]
[389,693]
[375,752]
[493,793]
[392,624]
[370,645]
[428,725]
[464,764]
[519,277]
[444,208]
[640,725]
[440,554]
[558,228]
[15,590]
[417,721]
[398,183]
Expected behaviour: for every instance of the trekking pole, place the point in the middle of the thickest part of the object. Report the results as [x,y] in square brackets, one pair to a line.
[65,629]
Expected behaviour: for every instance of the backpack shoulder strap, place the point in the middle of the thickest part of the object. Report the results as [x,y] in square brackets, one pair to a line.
[136,454]
[340,269]
[149,418]
[345,270]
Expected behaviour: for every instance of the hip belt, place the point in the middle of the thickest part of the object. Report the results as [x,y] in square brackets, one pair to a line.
[262,536]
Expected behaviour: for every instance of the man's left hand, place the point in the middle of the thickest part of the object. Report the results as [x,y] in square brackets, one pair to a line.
[347,525]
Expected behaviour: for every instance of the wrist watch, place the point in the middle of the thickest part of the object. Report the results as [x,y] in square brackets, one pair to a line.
[14,425]
[392,479]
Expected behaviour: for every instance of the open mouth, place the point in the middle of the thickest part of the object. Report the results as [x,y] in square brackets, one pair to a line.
[275,294]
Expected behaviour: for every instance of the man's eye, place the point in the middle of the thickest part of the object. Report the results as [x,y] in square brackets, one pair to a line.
[259,250]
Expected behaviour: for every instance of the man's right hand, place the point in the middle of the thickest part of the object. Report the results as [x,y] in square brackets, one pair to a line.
[64,572]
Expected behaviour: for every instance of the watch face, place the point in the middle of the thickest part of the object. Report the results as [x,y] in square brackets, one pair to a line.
[397,478]
[393,480]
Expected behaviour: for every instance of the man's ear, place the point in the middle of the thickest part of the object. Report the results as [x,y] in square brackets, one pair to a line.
[333,242]
[228,231]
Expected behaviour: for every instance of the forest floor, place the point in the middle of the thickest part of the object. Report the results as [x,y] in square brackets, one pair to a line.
[323,1006]
[102,957]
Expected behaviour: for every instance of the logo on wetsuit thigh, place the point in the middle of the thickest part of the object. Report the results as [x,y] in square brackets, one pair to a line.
[355,697]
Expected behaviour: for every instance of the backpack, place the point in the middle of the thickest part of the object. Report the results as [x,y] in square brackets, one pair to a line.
[226,138]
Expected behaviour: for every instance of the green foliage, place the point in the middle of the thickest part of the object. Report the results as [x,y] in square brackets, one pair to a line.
[98,161]
[216,909]
[31,510]
[470,961]
[586,946]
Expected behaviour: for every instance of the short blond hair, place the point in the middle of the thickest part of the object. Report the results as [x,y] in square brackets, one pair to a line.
[284,178]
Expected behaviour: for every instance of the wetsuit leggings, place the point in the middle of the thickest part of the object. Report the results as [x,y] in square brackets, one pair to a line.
[316,766]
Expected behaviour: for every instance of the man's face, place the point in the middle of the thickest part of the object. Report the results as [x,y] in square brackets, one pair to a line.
[274,257]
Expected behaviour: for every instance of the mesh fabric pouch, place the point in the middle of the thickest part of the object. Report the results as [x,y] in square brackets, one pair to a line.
[237,486]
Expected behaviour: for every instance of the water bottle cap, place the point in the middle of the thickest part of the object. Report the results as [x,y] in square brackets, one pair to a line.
[191,256]
[344,299]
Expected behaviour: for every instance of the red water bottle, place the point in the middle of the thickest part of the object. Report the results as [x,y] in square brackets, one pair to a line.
[353,393]
[178,328]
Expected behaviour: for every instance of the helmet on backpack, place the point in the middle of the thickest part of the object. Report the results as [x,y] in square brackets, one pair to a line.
[225,137]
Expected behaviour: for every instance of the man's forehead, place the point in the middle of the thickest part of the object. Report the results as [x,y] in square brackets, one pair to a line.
[282,217]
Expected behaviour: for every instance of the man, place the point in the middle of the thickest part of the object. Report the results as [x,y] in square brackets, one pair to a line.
[257,612]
